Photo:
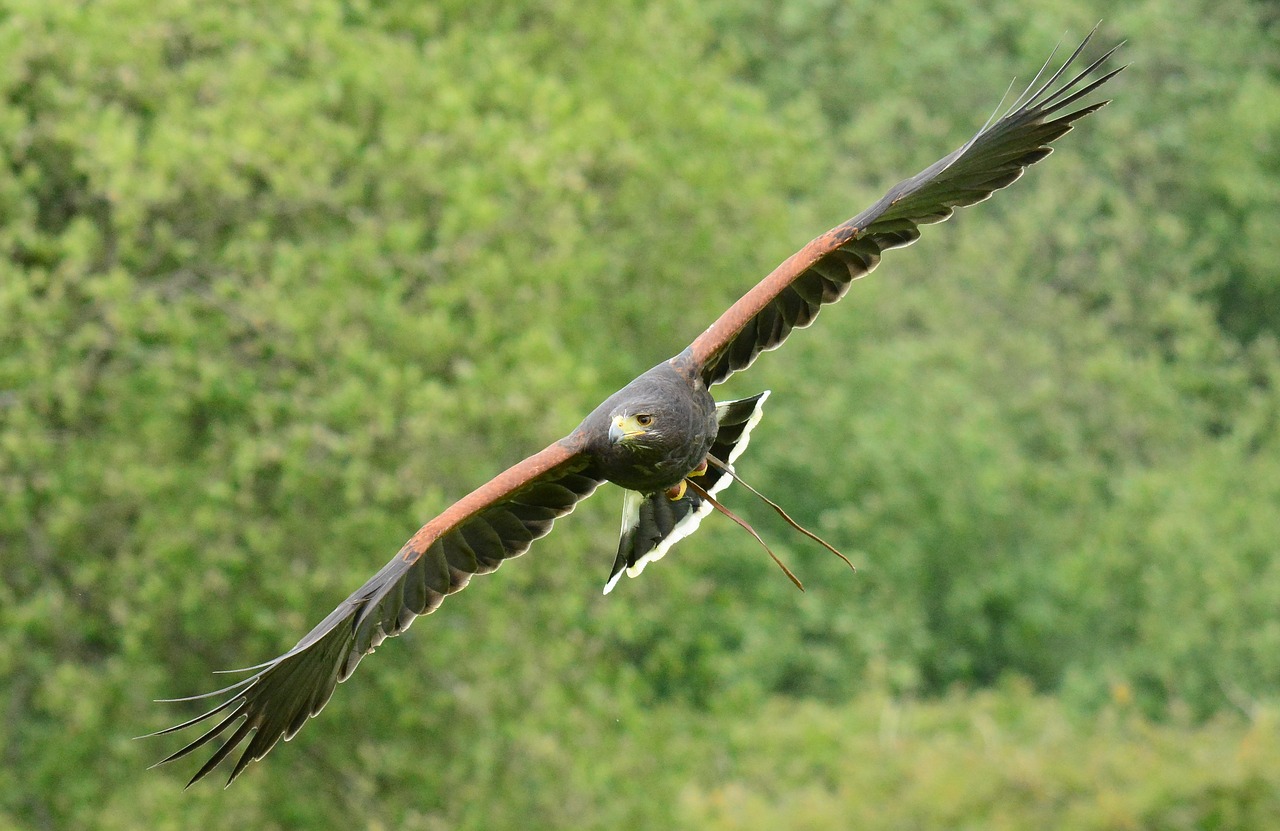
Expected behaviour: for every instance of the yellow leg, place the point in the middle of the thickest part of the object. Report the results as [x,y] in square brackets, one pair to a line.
[676,491]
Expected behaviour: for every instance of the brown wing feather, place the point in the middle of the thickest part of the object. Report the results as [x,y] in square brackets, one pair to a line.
[498,520]
[820,273]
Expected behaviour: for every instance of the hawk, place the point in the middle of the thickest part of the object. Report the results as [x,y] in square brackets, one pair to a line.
[662,437]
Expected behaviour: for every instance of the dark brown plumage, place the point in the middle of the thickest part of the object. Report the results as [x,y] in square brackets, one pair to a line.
[647,438]
[681,427]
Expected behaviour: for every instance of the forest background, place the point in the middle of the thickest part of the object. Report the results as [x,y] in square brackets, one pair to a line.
[281,280]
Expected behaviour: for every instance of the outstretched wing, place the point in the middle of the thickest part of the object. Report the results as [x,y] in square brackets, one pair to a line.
[821,272]
[652,523]
[501,519]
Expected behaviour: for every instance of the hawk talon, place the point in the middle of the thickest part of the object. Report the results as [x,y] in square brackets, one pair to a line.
[676,491]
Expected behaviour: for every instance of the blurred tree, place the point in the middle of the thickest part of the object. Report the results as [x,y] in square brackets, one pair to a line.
[281,280]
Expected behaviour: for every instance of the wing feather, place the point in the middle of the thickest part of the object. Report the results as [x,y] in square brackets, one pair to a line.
[497,521]
[821,272]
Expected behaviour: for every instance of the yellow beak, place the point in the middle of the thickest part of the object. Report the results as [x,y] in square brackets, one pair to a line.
[618,431]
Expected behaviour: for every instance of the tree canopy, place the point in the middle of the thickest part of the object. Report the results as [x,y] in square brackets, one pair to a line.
[282,280]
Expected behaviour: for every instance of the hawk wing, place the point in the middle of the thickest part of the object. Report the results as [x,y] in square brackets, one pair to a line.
[821,272]
[498,520]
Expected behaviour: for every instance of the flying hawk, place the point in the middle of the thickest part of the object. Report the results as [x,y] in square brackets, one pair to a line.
[662,437]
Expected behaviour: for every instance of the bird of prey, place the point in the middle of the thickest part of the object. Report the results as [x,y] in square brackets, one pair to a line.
[662,437]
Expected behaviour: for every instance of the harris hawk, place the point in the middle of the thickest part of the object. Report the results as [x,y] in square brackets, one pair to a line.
[662,437]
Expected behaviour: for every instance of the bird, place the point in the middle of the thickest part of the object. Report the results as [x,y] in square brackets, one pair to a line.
[662,438]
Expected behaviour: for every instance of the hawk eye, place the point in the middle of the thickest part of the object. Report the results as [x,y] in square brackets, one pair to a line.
[644,419]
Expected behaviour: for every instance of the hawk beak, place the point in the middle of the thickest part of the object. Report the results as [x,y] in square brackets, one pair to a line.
[619,432]
[616,431]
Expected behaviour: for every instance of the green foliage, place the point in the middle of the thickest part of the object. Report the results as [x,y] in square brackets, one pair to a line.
[1000,759]
[280,281]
